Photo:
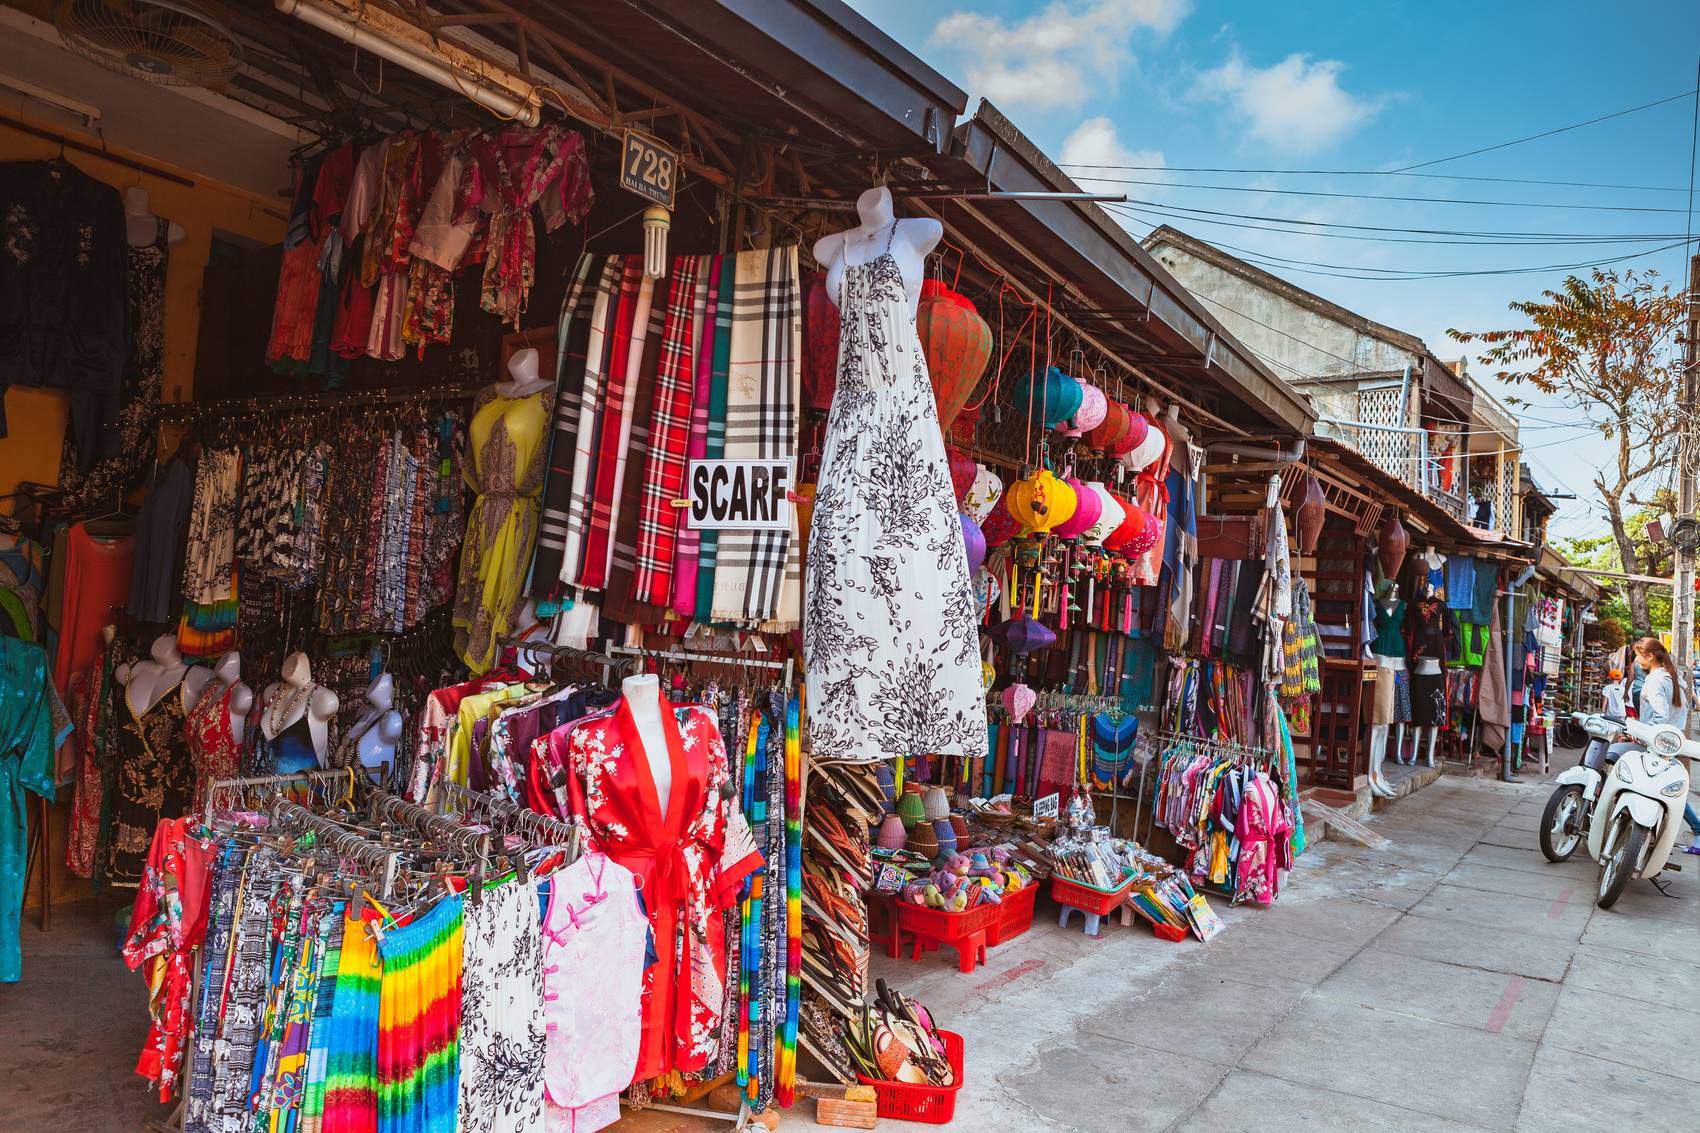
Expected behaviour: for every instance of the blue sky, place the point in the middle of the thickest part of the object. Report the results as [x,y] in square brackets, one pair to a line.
[1361,86]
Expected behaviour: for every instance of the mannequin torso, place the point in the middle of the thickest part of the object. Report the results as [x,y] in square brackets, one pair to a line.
[228,672]
[523,379]
[908,241]
[643,697]
[141,226]
[376,731]
[295,698]
[150,680]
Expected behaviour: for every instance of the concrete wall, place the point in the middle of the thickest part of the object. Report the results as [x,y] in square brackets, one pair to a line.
[1297,342]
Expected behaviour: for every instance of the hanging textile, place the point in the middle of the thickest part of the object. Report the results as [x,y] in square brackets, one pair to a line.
[27,743]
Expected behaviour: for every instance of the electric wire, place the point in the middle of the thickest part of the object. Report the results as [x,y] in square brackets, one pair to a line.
[1383,196]
[1377,173]
[1545,133]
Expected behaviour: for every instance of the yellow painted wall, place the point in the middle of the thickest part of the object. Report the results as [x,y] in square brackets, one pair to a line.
[35,417]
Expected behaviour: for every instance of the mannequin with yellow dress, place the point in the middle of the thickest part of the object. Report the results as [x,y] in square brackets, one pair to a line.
[507,459]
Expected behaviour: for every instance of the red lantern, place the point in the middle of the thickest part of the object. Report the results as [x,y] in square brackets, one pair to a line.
[1112,426]
[1136,521]
[962,470]
[957,344]
[1312,511]
[1391,547]
[1001,526]
[820,343]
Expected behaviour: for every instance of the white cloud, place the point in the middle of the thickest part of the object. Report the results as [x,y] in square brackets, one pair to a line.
[1296,105]
[1056,57]
[1094,156]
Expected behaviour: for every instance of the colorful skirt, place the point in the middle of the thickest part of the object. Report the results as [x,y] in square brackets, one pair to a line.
[419,999]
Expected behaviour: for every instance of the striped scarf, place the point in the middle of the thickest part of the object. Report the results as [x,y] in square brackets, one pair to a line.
[758,574]
[578,494]
[669,438]
[572,337]
[715,448]
[351,1044]
[705,307]
[785,1086]
[419,1023]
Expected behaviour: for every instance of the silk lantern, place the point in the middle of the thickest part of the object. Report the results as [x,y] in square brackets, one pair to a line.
[1053,400]
[1001,525]
[1313,509]
[1147,452]
[1133,522]
[983,494]
[962,470]
[957,344]
[820,343]
[1093,408]
[1021,635]
[1138,427]
[1390,548]
[1087,508]
[1041,501]
[1112,426]
[1110,515]
[1150,533]
[1018,701]
[973,541]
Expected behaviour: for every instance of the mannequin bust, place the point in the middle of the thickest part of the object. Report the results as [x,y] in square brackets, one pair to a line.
[523,379]
[910,239]
[293,699]
[643,697]
[141,225]
[149,681]
[228,672]
[377,729]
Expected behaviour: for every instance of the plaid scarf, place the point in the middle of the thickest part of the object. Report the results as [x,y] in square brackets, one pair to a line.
[619,603]
[708,553]
[705,306]
[572,336]
[636,290]
[669,438]
[597,344]
[753,568]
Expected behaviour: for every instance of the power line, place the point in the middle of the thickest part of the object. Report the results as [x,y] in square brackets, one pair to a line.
[1163,206]
[1377,173]
[1484,242]
[1271,260]
[1544,133]
[1380,196]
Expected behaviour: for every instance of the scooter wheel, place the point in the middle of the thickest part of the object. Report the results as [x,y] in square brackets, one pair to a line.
[1619,865]
[1560,825]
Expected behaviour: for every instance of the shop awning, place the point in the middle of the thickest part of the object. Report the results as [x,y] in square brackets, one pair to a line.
[1427,521]
[1104,282]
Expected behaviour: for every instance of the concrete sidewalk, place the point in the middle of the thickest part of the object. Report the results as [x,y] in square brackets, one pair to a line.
[1456,981]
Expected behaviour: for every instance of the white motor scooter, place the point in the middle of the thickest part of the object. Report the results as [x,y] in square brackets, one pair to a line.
[1630,815]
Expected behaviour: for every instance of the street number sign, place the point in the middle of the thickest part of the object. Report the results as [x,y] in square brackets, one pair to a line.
[649,169]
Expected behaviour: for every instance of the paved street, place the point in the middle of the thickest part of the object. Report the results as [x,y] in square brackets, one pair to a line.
[1455,981]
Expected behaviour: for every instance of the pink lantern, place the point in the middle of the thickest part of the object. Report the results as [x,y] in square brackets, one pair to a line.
[1019,700]
[1087,508]
[1093,408]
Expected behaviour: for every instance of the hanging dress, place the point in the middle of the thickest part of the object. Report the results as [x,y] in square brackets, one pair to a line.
[289,752]
[211,739]
[144,371]
[892,654]
[508,440]
[156,779]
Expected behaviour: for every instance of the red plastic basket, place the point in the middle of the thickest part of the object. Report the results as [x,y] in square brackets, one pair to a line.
[940,925]
[932,1105]
[1089,898]
[1015,914]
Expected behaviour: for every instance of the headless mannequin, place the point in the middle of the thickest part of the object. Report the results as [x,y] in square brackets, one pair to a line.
[909,244]
[643,697]
[1387,665]
[523,379]
[148,682]
[1428,667]
[141,226]
[228,671]
[286,701]
[378,727]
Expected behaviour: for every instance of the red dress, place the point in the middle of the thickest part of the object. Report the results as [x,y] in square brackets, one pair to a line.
[690,863]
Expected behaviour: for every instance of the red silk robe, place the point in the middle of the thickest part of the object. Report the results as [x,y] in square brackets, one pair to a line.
[689,863]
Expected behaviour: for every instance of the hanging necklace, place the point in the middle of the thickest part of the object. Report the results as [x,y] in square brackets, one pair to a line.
[276,718]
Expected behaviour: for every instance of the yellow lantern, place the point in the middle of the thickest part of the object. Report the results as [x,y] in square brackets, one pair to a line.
[1042,501]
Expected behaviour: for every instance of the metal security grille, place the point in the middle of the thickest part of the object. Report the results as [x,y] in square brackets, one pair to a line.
[1393,453]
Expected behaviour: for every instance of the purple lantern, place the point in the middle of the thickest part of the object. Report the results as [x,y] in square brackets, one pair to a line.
[974,541]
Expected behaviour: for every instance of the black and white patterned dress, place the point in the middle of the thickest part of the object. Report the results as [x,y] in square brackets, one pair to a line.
[889,636]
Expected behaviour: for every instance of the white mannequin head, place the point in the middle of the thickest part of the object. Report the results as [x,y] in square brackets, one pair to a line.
[874,207]
[164,650]
[522,367]
[381,694]
[137,201]
[229,667]
[297,670]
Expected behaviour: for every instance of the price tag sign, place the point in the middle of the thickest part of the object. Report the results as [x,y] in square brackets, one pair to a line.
[1047,806]
[740,495]
[649,169]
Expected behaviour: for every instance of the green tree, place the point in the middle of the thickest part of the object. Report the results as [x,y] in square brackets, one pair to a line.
[1606,346]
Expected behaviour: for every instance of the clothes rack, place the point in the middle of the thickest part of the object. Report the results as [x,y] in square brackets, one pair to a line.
[379,859]
[332,399]
[541,649]
[500,812]
[275,782]
[683,656]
